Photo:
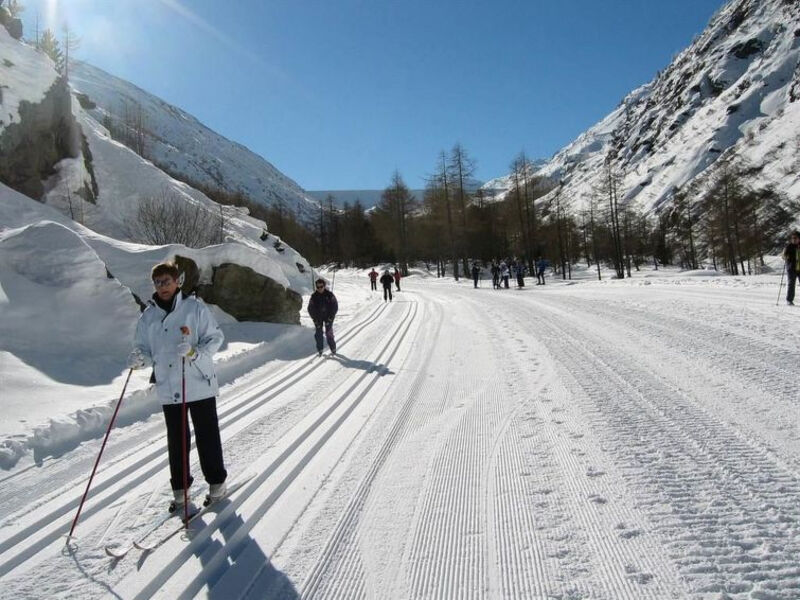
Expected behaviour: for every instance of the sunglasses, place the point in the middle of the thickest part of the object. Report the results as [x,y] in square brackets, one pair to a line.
[162,282]
[320,287]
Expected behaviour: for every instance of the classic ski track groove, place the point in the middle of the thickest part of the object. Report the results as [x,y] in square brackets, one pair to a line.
[190,588]
[50,527]
[345,530]
[339,572]
[727,366]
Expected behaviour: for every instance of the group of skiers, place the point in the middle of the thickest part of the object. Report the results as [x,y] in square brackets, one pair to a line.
[178,336]
[386,281]
[503,270]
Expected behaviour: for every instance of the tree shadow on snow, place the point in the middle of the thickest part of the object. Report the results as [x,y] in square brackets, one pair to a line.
[364,365]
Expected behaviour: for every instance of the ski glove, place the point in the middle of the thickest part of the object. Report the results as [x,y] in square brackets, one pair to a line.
[186,350]
[137,360]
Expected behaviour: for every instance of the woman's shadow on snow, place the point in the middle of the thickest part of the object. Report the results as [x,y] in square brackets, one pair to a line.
[364,365]
[244,572]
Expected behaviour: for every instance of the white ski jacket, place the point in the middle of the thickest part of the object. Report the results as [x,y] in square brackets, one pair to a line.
[157,337]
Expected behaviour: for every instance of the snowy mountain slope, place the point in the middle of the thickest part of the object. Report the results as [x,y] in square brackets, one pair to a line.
[124,178]
[183,146]
[498,187]
[24,76]
[734,92]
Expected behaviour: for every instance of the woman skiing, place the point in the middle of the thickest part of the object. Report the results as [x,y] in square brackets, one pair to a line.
[178,336]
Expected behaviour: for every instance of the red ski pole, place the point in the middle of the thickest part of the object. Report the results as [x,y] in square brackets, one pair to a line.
[97,462]
[184,441]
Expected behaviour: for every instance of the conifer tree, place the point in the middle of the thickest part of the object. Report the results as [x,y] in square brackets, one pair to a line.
[50,46]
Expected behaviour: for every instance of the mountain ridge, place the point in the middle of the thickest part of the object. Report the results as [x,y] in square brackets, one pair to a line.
[732,92]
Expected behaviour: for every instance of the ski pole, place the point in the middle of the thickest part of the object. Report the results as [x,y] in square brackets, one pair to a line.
[97,462]
[780,287]
[184,441]
[333,283]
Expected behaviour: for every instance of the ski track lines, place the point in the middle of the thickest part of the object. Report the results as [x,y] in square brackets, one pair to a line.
[447,556]
[453,541]
[342,545]
[580,507]
[250,509]
[33,533]
[82,458]
[726,510]
[741,369]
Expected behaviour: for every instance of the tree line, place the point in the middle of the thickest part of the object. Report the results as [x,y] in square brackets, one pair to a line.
[722,223]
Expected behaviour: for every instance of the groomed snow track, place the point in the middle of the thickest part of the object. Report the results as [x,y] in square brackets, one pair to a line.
[588,441]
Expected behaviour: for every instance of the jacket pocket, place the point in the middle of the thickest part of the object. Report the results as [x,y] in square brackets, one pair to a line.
[205,366]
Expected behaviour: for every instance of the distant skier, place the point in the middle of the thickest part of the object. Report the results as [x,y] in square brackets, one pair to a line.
[373,280]
[504,274]
[322,307]
[495,276]
[386,281]
[397,278]
[176,328]
[476,273]
[519,271]
[541,267]
[791,256]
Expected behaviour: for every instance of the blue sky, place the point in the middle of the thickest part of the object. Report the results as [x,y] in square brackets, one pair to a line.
[338,94]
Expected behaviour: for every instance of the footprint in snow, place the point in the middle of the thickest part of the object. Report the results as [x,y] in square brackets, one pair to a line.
[630,533]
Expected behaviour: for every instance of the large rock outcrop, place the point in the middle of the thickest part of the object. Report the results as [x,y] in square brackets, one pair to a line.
[45,134]
[242,293]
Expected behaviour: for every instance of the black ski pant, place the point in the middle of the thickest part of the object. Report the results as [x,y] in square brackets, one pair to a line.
[505,282]
[387,289]
[792,275]
[206,432]
[475,280]
[397,283]
[540,277]
[328,335]
[373,286]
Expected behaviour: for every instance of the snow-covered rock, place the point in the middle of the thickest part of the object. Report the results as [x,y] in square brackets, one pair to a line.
[25,76]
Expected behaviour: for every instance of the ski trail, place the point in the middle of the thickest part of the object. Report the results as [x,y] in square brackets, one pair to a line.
[725,509]
[280,473]
[342,545]
[39,531]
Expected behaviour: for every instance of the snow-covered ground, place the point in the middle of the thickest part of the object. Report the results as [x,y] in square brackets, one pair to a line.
[614,439]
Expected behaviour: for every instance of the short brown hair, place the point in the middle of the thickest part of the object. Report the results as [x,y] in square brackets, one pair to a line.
[165,268]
